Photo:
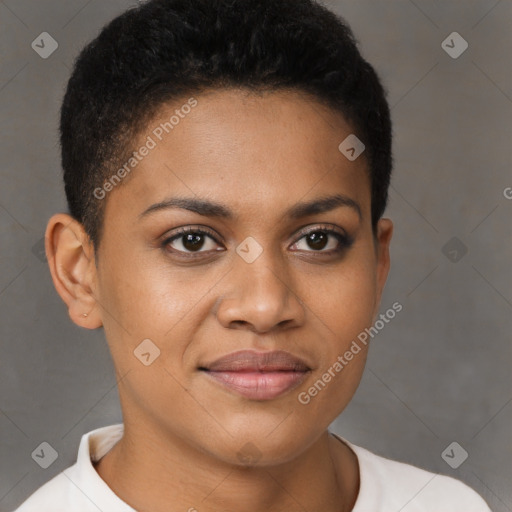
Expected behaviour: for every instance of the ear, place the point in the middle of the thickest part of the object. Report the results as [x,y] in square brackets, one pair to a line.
[70,256]
[382,243]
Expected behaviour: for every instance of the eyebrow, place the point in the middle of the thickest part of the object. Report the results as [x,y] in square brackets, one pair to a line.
[209,208]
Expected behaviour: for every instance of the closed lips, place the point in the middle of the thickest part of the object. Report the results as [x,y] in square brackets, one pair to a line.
[251,361]
[258,375]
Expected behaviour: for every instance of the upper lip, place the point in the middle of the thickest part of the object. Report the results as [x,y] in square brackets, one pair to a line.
[250,360]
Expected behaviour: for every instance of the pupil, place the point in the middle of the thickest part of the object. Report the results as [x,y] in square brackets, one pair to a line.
[317,240]
[193,241]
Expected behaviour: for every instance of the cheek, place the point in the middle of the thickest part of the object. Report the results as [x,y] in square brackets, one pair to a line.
[344,311]
[352,304]
[342,301]
[147,297]
[141,301]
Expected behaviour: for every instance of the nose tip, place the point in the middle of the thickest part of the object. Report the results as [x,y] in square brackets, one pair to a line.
[260,301]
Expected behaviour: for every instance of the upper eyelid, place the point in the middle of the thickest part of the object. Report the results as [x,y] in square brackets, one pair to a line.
[322,227]
[302,232]
[181,231]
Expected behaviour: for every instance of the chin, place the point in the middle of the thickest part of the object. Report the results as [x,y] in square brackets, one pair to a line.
[255,447]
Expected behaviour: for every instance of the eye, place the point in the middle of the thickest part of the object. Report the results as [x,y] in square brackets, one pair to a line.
[190,240]
[323,240]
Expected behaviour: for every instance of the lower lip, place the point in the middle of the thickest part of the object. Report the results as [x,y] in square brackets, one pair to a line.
[259,385]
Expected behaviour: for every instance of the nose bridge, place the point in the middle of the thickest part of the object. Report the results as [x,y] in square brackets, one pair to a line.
[265,280]
[261,295]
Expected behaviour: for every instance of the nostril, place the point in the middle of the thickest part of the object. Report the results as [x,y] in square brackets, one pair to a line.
[239,323]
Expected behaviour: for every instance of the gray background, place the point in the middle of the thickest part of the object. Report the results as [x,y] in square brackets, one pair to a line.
[439,372]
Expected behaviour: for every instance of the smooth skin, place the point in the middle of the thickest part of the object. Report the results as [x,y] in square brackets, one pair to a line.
[258,155]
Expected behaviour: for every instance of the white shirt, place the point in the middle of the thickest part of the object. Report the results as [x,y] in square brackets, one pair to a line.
[385,485]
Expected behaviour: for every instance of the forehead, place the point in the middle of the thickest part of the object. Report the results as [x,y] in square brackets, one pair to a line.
[257,152]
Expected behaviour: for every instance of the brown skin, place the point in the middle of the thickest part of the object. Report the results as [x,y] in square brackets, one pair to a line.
[258,155]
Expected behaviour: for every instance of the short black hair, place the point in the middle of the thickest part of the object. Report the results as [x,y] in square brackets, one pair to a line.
[162,50]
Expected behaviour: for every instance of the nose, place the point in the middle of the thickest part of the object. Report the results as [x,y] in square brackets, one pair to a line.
[260,298]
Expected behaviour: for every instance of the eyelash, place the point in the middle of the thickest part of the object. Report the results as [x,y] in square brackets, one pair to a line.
[344,241]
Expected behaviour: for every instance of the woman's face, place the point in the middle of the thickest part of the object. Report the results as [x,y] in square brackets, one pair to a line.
[257,273]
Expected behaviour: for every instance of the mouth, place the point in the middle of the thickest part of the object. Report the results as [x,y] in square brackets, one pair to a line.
[258,375]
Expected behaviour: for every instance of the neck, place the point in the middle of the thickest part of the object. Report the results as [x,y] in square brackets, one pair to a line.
[149,476]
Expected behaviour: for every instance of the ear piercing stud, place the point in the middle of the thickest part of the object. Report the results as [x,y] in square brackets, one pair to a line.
[85,314]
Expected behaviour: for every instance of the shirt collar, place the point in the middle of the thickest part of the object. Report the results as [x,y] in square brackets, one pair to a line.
[97,443]
[93,446]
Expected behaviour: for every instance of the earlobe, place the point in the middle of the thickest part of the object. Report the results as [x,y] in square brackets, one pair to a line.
[70,257]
